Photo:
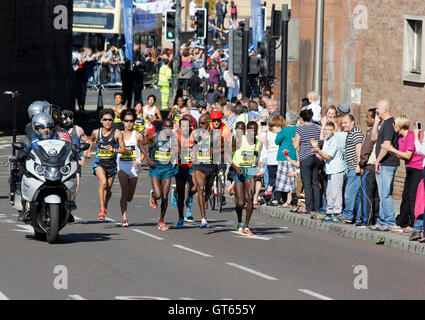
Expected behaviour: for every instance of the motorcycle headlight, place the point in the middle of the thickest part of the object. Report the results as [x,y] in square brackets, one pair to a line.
[66,169]
[39,169]
[53,174]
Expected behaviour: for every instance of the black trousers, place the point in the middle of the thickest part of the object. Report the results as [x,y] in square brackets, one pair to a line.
[370,198]
[407,207]
[310,177]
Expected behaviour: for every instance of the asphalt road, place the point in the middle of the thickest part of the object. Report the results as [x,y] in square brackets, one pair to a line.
[96,260]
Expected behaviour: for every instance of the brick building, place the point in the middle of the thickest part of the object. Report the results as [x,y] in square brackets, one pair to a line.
[372,50]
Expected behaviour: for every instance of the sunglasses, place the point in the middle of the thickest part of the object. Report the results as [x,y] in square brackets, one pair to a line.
[216,120]
[203,122]
[126,120]
[42,126]
[107,119]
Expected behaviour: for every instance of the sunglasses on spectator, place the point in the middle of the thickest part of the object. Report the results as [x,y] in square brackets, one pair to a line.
[216,120]
[107,119]
[203,122]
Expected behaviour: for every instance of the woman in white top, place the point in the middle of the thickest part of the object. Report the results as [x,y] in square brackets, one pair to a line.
[276,124]
[128,163]
[230,82]
[151,113]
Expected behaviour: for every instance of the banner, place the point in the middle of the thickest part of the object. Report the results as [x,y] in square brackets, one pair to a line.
[127,12]
[257,23]
[155,7]
[144,20]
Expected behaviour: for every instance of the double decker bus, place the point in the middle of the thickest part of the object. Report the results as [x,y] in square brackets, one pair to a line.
[96,23]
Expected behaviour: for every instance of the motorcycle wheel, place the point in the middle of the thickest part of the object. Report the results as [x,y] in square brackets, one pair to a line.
[53,229]
[40,236]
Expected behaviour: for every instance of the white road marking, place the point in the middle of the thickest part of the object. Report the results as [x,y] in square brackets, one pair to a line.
[184,298]
[3,296]
[25,228]
[315,294]
[253,237]
[193,251]
[140,298]
[262,275]
[147,234]
[75,297]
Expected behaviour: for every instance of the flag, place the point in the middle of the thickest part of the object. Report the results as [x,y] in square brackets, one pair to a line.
[127,13]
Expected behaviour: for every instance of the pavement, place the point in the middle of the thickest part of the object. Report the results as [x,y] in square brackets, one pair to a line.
[397,240]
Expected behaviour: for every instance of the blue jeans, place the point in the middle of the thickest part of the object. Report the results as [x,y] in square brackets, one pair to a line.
[220,20]
[419,224]
[385,181]
[352,197]
[266,175]
[230,93]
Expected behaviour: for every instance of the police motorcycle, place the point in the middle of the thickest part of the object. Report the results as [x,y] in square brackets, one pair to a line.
[49,180]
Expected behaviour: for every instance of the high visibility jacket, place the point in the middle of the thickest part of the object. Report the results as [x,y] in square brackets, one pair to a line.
[164,75]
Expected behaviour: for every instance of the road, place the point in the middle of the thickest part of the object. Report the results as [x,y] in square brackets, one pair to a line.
[96,260]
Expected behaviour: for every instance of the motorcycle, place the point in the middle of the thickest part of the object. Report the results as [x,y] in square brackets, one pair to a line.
[48,185]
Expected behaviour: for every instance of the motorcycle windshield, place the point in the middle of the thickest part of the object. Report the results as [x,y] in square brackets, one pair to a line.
[52,152]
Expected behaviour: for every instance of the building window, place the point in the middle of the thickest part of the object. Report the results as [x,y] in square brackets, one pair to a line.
[414,49]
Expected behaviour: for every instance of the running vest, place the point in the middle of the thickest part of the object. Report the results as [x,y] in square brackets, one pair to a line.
[246,155]
[185,151]
[203,151]
[160,152]
[139,124]
[102,153]
[75,140]
[132,151]
[147,112]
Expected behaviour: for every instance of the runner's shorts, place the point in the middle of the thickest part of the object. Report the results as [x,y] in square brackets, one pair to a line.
[247,173]
[183,173]
[210,170]
[109,168]
[163,172]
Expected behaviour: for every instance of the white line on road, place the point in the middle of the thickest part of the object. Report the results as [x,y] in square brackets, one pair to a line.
[147,234]
[193,251]
[75,297]
[253,237]
[3,296]
[262,275]
[315,294]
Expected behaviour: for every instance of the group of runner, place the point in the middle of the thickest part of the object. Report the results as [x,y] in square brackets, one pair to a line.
[192,156]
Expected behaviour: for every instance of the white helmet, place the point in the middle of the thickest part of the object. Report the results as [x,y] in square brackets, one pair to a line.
[43,120]
[37,107]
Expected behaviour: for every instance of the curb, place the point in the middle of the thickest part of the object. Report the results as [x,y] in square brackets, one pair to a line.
[392,240]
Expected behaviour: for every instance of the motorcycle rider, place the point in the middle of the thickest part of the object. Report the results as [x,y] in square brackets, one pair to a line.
[43,128]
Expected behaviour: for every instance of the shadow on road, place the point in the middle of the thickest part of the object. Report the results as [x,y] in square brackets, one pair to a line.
[81,237]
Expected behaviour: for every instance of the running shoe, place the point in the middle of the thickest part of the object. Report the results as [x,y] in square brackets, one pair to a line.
[124,223]
[189,201]
[153,202]
[173,197]
[247,232]
[395,228]
[188,217]
[162,226]
[204,223]
[239,227]
[179,224]
[101,215]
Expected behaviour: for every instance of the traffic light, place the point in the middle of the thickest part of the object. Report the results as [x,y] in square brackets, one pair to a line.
[267,50]
[201,23]
[235,51]
[170,25]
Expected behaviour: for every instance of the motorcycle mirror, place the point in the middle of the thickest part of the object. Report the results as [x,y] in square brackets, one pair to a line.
[18,145]
[84,146]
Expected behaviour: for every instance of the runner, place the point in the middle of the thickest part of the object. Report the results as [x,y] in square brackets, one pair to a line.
[151,114]
[244,163]
[184,172]
[119,107]
[139,122]
[162,169]
[129,162]
[108,139]
[77,135]
[204,168]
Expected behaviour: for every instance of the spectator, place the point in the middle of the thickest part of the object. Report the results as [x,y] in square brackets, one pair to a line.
[229,116]
[335,169]
[343,108]
[213,94]
[417,233]
[276,124]
[186,68]
[233,11]
[352,194]
[214,74]
[314,99]
[271,106]
[128,81]
[386,166]
[414,169]
[196,85]
[192,12]
[253,114]
[219,11]
[309,163]
[139,71]
[370,198]
[284,183]
[230,82]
